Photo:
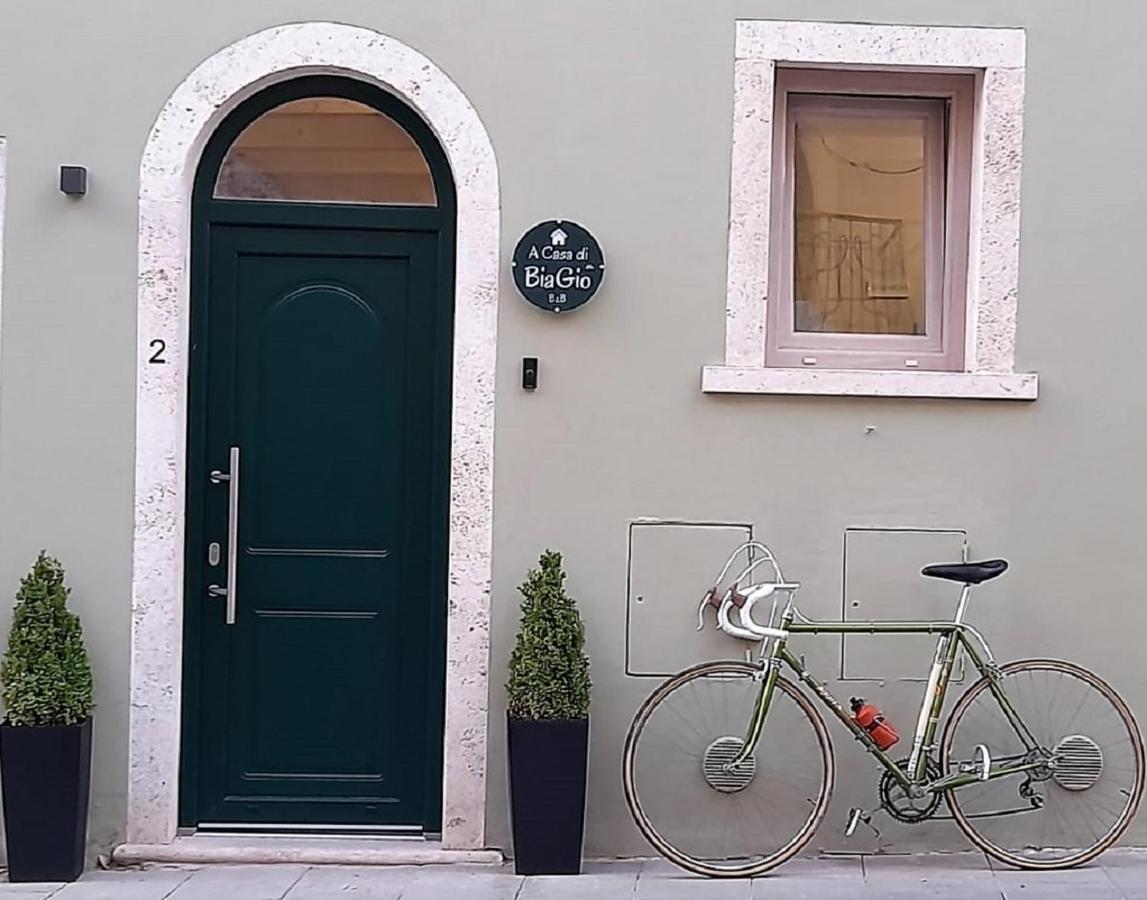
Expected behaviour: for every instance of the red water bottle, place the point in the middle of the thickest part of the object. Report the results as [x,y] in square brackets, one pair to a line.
[872,720]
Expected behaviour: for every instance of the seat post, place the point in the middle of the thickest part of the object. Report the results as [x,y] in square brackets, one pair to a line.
[963,604]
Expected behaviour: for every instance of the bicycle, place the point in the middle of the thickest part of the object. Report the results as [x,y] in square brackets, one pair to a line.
[735,764]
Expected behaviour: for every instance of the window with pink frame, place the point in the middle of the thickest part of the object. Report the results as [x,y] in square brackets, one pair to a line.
[869,231]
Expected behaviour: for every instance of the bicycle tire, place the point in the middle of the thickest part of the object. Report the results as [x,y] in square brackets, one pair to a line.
[965,820]
[691,862]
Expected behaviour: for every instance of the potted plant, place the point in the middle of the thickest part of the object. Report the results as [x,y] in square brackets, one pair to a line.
[46,739]
[548,723]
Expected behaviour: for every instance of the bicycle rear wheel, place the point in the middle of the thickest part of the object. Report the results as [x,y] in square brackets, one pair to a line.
[1073,808]
[694,809]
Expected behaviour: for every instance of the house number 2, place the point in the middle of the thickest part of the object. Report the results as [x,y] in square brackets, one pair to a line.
[158,347]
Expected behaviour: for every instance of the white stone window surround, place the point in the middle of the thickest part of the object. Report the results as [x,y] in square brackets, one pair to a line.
[997,57]
[167,172]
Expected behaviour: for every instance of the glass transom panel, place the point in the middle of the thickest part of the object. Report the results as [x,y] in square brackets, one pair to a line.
[326,150]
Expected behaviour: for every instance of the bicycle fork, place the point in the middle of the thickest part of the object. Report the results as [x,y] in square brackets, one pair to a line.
[760,710]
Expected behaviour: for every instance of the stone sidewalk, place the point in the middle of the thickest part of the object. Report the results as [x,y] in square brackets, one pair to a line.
[965,876]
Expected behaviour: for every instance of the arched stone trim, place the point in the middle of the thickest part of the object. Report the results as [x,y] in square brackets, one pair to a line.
[167,172]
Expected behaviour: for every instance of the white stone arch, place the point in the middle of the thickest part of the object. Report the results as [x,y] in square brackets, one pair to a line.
[167,173]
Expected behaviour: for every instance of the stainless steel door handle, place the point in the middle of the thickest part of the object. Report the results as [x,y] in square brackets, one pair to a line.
[231,591]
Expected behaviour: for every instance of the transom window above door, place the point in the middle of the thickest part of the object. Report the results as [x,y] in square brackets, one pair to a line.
[326,150]
[871,217]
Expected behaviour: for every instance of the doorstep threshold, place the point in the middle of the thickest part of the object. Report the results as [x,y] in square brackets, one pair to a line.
[311,850]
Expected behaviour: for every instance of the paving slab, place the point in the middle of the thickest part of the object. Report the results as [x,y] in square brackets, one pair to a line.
[152,884]
[825,878]
[1091,882]
[471,883]
[28,890]
[30,887]
[1127,870]
[245,882]
[965,875]
[350,882]
[660,880]
[32,890]
[598,881]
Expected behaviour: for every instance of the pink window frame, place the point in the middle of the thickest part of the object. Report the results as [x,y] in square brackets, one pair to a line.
[948,161]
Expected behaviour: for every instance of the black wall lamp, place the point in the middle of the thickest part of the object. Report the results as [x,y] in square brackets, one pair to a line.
[74,180]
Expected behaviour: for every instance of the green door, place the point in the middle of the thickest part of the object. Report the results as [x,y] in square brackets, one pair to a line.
[318,448]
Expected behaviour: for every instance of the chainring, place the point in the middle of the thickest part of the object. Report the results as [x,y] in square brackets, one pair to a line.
[903,808]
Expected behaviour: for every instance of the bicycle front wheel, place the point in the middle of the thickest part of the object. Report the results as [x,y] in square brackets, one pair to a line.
[1084,794]
[697,810]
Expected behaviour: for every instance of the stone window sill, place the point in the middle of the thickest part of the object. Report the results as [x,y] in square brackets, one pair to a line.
[869,383]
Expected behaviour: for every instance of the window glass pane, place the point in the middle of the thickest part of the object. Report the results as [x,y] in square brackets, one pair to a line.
[859,204]
[329,150]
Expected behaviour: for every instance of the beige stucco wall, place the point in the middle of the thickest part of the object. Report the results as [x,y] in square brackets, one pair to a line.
[617,116]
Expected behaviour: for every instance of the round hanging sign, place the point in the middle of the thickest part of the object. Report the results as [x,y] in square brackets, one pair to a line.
[558,265]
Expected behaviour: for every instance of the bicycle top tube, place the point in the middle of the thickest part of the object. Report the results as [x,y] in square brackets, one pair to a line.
[734,607]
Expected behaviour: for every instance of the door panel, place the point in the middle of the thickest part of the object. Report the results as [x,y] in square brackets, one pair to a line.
[285,743]
[319,354]
[314,705]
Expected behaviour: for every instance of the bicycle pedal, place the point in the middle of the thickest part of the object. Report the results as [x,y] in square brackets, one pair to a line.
[984,761]
[855,817]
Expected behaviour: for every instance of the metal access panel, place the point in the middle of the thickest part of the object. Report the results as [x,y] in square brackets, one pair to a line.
[882,581]
[671,565]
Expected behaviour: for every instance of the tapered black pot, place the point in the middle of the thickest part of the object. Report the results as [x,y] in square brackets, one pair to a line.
[547,794]
[46,772]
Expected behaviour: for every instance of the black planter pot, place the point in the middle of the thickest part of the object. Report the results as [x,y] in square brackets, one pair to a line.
[547,794]
[46,773]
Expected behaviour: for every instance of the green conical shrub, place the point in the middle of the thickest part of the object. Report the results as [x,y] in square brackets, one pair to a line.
[46,676]
[549,671]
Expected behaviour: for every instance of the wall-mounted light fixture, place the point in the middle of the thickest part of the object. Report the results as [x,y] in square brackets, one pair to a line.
[74,180]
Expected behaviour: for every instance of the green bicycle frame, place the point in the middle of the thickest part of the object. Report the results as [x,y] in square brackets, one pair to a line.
[952,637]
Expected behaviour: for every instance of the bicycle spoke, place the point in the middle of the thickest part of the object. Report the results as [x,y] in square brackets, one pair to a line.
[697,810]
[1089,787]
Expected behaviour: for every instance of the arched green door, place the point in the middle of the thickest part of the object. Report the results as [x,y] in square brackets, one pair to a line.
[319,431]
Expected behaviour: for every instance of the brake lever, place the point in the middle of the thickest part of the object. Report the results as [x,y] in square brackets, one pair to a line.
[723,622]
[708,600]
[745,613]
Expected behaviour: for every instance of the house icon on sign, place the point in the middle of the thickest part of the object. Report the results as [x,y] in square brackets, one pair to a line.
[558,238]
